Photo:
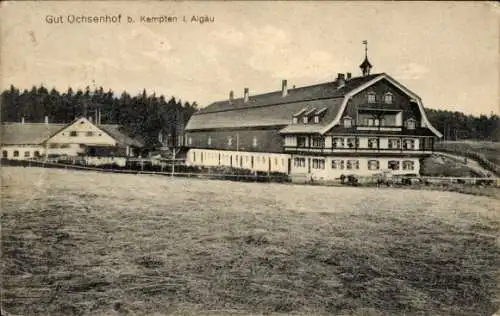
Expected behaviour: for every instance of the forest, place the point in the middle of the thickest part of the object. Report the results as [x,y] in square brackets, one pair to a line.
[145,115]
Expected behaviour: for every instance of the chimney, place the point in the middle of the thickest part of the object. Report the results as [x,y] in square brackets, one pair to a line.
[349,76]
[46,119]
[231,95]
[340,80]
[284,89]
[245,95]
[22,120]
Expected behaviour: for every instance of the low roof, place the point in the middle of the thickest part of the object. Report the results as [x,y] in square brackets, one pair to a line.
[120,136]
[27,133]
[14,133]
[272,108]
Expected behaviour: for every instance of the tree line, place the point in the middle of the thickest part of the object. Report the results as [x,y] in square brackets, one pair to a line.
[143,115]
[460,126]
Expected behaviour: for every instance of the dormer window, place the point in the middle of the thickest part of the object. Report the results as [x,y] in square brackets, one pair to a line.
[371,97]
[305,119]
[316,119]
[347,122]
[388,98]
[295,120]
[410,123]
[209,141]
[229,141]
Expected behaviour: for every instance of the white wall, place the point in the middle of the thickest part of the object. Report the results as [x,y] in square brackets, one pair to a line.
[22,149]
[238,159]
[82,127]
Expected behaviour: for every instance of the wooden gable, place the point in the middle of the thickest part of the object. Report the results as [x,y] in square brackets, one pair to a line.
[82,131]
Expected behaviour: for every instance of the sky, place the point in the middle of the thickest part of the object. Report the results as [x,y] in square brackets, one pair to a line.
[446,52]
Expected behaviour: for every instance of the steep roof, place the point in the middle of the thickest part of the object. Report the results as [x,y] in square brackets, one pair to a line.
[272,108]
[27,133]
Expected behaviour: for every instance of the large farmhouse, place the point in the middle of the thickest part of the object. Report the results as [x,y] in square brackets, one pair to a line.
[351,126]
[21,140]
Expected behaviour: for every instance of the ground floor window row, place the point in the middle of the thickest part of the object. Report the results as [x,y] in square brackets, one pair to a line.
[17,153]
[353,164]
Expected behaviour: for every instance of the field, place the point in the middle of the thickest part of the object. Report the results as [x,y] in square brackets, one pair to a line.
[83,243]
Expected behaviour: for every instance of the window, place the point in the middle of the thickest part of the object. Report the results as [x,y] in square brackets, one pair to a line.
[26,154]
[209,140]
[16,153]
[409,144]
[301,141]
[295,120]
[337,142]
[5,154]
[371,97]
[65,146]
[394,143]
[190,141]
[318,142]
[299,162]
[73,133]
[275,161]
[347,122]
[229,141]
[408,165]
[100,134]
[318,164]
[352,142]
[376,122]
[316,119]
[388,98]
[53,146]
[373,143]
[90,133]
[373,165]
[82,122]
[370,122]
[410,124]
[305,119]
[393,165]
[337,164]
[37,153]
[352,164]
[254,141]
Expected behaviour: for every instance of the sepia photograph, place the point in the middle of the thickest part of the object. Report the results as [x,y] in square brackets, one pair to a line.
[250,158]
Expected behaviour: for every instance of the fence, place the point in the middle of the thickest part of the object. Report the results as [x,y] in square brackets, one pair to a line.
[224,173]
[480,158]
[137,168]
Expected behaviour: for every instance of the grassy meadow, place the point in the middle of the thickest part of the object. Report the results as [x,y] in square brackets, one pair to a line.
[83,243]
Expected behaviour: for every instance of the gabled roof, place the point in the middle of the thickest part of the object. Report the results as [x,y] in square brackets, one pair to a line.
[27,133]
[272,108]
[13,133]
